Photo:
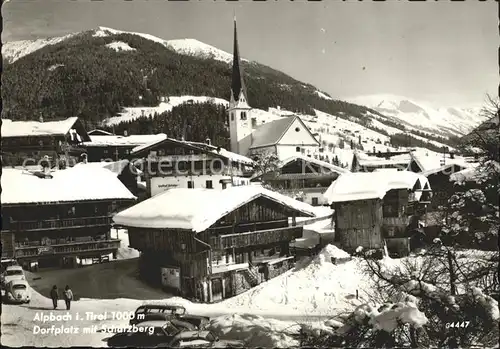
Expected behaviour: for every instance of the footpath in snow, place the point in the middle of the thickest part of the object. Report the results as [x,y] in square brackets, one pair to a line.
[267,315]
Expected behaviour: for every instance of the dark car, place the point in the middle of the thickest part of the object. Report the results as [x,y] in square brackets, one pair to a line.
[149,334]
[153,312]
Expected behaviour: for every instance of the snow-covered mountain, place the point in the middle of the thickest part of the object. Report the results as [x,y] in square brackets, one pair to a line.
[422,115]
[418,118]
[12,51]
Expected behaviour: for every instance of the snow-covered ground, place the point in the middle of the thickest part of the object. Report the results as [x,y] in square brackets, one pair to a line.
[312,296]
[314,289]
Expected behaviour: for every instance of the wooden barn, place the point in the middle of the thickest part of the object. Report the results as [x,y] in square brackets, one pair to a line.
[211,244]
[378,208]
[305,175]
[53,218]
[25,143]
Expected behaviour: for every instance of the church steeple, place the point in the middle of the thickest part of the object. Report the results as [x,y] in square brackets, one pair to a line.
[238,89]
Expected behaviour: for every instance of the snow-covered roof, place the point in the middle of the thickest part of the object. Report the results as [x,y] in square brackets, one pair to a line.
[321,163]
[116,167]
[35,128]
[374,161]
[372,185]
[476,173]
[198,209]
[78,183]
[99,132]
[225,153]
[431,162]
[132,140]
[271,133]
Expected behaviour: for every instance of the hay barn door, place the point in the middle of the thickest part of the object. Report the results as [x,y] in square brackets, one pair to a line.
[216,290]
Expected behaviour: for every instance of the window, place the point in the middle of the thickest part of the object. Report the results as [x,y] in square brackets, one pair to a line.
[315,201]
[232,116]
[224,185]
[297,129]
[190,185]
[243,115]
[297,149]
[208,185]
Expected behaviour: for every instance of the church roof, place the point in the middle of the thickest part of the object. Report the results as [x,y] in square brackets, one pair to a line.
[237,83]
[271,133]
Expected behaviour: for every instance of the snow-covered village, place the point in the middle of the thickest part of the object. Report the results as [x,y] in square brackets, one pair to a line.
[166,184]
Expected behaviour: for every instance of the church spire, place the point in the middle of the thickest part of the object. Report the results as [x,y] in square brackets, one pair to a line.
[237,83]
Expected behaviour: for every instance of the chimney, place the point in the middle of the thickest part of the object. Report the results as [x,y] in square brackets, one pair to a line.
[452,155]
[84,158]
[208,141]
[40,118]
[125,133]
[183,139]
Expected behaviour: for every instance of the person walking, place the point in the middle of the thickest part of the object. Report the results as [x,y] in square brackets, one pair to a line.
[68,297]
[54,294]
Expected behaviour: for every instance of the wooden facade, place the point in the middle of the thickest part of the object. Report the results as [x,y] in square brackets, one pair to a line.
[247,246]
[52,233]
[374,223]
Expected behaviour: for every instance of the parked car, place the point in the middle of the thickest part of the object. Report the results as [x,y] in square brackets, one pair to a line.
[7,262]
[202,339]
[17,291]
[153,312]
[13,272]
[149,334]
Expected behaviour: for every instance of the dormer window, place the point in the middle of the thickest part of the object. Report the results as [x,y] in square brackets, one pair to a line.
[243,115]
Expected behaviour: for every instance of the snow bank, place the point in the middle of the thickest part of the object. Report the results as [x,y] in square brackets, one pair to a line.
[256,330]
[125,252]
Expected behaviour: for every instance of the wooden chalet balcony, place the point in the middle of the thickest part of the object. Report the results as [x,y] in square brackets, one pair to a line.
[68,248]
[308,190]
[261,237]
[58,223]
[396,221]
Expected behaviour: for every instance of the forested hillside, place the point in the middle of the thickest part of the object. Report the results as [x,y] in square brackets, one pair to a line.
[83,77]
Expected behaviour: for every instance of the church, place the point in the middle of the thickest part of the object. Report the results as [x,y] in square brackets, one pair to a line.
[285,137]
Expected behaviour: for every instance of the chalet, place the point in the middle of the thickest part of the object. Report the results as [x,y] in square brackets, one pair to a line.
[303,177]
[51,218]
[110,147]
[209,245]
[362,162]
[378,208]
[172,163]
[438,168]
[285,136]
[25,143]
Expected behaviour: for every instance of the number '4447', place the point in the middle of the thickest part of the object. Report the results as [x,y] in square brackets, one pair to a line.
[462,324]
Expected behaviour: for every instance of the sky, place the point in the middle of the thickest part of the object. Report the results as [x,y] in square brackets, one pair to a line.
[441,52]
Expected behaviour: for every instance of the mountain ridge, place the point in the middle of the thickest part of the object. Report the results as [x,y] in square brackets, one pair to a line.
[138,73]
